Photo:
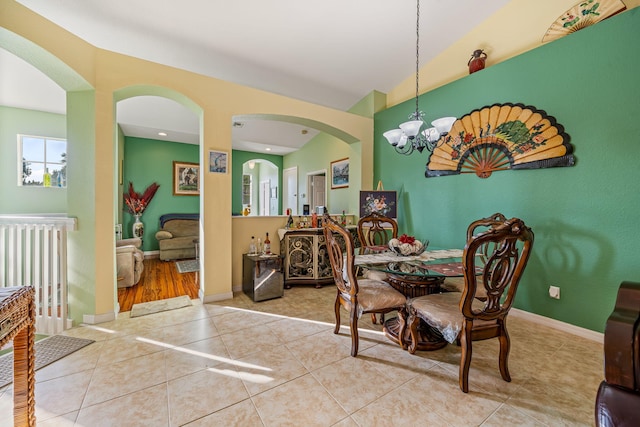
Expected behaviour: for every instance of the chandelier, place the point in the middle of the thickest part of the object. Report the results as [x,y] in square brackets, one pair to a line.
[409,136]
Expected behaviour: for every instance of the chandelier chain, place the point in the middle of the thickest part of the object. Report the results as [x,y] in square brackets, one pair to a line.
[417,57]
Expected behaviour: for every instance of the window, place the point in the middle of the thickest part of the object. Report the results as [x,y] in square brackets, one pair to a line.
[42,161]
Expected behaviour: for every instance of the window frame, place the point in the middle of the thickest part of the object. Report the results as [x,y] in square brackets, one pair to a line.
[45,163]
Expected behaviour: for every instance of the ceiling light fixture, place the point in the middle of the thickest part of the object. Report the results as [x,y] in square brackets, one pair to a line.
[252,164]
[267,149]
[408,137]
[162,133]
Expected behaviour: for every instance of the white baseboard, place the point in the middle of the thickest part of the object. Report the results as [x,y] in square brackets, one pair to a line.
[92,319]
[557,324]
[151,254]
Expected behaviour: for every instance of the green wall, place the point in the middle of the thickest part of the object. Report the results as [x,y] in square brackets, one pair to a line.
[147,161]
[30,200]
[238,158]
[584,217]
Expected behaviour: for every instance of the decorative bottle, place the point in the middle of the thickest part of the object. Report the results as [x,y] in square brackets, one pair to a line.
[267,245]
[46,178]
[259,247]
[343,219]
[252,246]
[290,222]
[314,220]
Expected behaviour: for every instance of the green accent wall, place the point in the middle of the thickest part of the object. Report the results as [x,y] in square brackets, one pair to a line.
[239,158]
[147,161]
[584,217]
[27,200]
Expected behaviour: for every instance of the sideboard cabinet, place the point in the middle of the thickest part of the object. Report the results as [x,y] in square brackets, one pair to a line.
[306,260]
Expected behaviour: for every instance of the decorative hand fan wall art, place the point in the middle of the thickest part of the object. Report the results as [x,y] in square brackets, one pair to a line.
[582,15]
[500,137]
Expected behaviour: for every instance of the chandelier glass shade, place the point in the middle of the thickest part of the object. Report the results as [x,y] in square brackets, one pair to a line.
[408,136]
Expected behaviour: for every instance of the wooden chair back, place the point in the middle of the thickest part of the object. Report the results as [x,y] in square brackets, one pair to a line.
[373,230]
[511,241]
[342,262]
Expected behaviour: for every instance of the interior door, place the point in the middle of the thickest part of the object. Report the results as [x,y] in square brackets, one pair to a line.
[265,195]
[319,191]
[290,190]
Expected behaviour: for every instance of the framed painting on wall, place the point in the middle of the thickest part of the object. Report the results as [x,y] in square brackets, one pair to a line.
[217,161]
[381,202]
[186,179]
[340,173]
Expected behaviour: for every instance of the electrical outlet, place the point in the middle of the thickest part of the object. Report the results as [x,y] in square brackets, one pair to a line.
[554,292]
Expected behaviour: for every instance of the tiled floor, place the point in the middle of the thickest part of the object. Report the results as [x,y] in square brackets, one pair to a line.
[278,363]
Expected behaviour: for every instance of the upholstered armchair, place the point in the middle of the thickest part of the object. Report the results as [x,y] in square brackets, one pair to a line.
[129,261]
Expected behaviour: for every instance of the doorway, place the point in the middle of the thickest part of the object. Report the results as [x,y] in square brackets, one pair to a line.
[290,189]
[317,189]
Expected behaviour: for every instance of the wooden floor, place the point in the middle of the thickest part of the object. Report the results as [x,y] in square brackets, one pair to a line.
[160,280]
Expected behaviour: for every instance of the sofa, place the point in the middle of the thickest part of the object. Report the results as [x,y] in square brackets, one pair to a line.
[618,398]
[129,262]
[178,235]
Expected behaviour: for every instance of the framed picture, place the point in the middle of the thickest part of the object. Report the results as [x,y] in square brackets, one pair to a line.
[186,179]
[217,161]
[382,202]
[340,173]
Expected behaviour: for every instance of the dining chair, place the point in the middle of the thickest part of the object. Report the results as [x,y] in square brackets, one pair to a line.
[461,317]
[456,284]
[374,232]
[357,296]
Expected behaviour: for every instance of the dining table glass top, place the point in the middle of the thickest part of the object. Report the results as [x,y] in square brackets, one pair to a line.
[438,263]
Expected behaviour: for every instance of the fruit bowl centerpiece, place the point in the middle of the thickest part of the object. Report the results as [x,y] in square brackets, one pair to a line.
[407,245]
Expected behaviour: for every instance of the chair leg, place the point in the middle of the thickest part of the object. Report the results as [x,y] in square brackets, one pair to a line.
[337,310]
[353,323]
[373,318]
[465,357]
[505,346]
[413,322]
[402,328]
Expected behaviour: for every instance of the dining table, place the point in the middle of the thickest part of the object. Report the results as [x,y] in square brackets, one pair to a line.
[415,276]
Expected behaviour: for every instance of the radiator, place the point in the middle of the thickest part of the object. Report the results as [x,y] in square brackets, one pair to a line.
[33,251]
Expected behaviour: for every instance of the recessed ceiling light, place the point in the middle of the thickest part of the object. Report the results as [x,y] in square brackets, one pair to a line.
[268,149]
[162,133]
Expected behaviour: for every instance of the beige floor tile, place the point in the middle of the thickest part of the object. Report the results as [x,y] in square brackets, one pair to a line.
[129,347]
[66,420]
[398,407]
[200,364]
[61,395]
[269,368]
[354,382]
[250,340]
[508,416]
[241,319]
[190,358]
[553,405]
[332,348]
[290,403]
[440,393]
[147,407]
[241,414]
[399,365]
[197,395]
[128,376]
[188,332]
[291,329]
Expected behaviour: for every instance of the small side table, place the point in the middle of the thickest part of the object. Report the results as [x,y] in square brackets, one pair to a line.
[262,276]
[17,323]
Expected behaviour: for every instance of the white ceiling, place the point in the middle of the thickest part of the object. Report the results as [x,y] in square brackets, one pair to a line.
[328,52]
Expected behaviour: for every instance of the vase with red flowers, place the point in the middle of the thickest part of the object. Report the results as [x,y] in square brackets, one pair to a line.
[136,204]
